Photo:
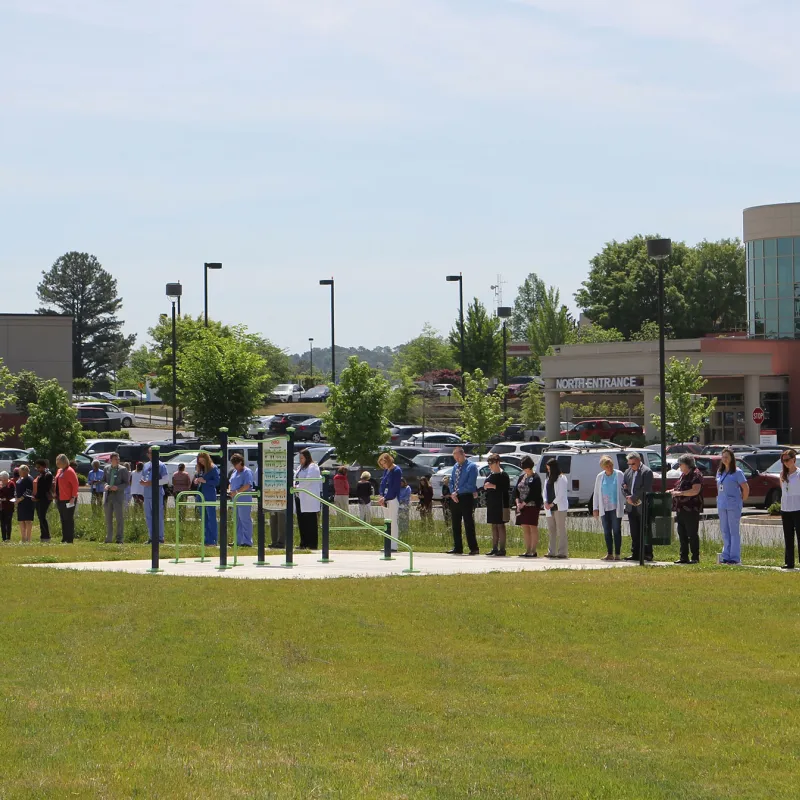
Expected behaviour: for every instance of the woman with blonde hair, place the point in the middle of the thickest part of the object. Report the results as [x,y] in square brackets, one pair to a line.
[25,507]
[390,491]
[609,504]
[66,491]
[364,496]
[207,484]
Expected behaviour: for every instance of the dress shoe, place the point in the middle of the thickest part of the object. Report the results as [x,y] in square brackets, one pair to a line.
[500,553]
[786,566]
[492,552]
[455,552]
[695,561]
[562,556]
[631,558]
[474,552]
[681,561]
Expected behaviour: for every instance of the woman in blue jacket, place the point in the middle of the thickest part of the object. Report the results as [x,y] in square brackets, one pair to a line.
[207,484]
[390,492]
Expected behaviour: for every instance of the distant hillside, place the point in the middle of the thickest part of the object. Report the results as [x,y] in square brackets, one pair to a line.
[378,358]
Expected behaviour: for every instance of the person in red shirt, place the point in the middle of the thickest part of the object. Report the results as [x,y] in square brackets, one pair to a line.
[66,497]
[341,489]
[7,493]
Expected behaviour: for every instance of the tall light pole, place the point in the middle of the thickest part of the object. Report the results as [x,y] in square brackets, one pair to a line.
[460,279]
[504,312]
[329,282]
[174,292]
[311,358]
[206,267]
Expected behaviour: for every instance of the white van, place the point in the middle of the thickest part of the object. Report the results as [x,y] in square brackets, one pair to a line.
[248,451]
[581,466]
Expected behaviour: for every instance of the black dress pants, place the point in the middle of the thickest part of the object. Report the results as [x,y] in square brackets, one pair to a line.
[67,521]
[464,509]
[307,523]
[42,507]
[635,521]
[6,522]
[688,527]
[791,529]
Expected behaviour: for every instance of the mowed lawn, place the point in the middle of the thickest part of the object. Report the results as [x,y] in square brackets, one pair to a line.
[639,683]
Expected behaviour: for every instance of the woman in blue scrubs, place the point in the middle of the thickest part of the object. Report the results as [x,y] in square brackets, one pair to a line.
[207,483]
[242,481]
[732,491]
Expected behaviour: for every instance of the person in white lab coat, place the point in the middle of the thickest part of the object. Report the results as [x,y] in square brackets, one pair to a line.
[307,507]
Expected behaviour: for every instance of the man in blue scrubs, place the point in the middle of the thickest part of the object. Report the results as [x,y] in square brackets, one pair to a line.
[242,481]
[147,483]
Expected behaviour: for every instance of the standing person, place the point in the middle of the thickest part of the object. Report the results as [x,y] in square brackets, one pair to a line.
[43,496]
[24,499]
[732,491]
[66,490]
[790,504]
[128,488]
[147,485]
[403,508]
[636,483]
[556,504]
[95,481]
[7,495]
[137,490]
[425,495]
[688,503]
[463,493]
[528,500]
[389,492]
[608,501]
[242,481]
[446,499]
[206,480]
[181,482]
[364,496]
[341,489]
[307,506]
[497,489]
[115,479]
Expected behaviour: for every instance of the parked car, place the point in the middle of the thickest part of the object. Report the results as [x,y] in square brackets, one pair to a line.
[82,464]
[761,460]
[411,472]
[126,419]
[137,451]
[309,430]
[683,447]
[434,439]
[104,396]
[765,487]
[483,472]
[317,394]
[280,422]
[435,461]
[287,392]
[520,449]
[259,422]
[92,446]
[129,394]
[626,427]
[716,449]
[8,455]
[97,419]
[604,429]
[443,389]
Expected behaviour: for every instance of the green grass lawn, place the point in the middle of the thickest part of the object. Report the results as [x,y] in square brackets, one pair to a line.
[657,683]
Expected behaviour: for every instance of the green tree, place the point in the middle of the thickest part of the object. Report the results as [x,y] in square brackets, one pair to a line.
[27,386]
[481,413]
[355,423]
[593,334]
[142,362]
[622,288]
[425,353]
[7,386]
[553,325]
[483,341]
[648,332]
[529,299]
[80,386]
[221,380]
[687,409]
[52,427]
[278,367]
[78,285]
[402,400]
[532,411]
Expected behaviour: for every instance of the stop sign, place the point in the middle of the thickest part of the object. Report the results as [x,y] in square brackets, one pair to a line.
[758,415]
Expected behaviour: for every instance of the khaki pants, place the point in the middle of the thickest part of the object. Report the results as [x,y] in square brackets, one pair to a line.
[342,501]
[557,528]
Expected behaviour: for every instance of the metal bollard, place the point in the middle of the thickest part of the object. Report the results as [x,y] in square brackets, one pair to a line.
[387,542]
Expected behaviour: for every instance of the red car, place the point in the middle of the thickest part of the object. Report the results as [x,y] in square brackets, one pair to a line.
[765,487]
[604,429]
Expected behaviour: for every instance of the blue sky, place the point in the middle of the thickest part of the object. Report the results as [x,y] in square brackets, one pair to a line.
[384,142]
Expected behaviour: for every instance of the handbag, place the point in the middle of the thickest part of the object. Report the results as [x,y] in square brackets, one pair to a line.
[506,515]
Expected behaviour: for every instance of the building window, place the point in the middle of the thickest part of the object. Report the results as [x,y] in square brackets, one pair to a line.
[773,287]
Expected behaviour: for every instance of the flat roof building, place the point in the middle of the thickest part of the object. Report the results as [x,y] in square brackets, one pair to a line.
[41,343]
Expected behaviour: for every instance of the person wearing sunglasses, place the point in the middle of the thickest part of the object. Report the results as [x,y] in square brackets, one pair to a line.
[790,504]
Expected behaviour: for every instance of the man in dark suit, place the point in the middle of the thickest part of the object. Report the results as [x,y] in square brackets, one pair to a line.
[637,483]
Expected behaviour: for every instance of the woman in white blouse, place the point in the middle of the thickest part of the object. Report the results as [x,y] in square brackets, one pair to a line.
[556,504]
[790,504]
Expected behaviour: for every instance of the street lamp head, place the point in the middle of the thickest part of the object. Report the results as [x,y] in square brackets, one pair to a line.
[504,312]
[174,291]
[453,278]
[658,249]
[213,265]
[326,282]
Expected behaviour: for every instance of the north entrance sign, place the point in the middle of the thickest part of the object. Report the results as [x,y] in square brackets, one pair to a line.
[758,415]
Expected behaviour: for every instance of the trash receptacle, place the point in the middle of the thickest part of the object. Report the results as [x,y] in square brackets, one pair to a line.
[277,528]
[658,518]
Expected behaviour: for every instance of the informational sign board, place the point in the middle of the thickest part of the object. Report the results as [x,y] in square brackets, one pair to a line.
[768,437]
[758,415]
[273,474]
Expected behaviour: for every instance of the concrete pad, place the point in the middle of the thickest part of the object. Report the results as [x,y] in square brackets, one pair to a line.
[348,564]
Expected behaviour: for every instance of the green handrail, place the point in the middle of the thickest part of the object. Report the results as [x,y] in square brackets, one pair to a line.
[362,524]
[203,503]
[234,503]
